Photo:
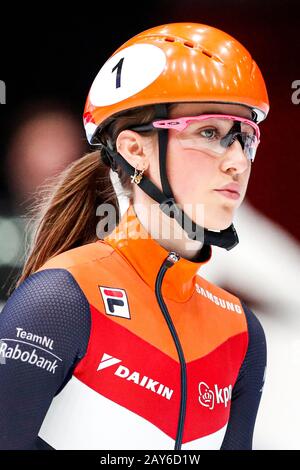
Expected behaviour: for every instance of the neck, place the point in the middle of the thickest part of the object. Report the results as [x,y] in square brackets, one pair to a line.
[166,231]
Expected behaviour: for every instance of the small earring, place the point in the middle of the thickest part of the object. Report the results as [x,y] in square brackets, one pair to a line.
[138,175]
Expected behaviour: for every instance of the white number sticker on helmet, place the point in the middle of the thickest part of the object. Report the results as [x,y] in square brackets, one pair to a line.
[126,73]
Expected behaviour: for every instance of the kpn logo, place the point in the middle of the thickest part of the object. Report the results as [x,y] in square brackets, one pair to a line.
[2,92]
[209,397]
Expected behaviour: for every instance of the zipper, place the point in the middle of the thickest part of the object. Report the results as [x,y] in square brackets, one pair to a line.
[171,259]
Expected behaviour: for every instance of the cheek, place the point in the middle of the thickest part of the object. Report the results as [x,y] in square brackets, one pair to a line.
[189,171]
[245,181]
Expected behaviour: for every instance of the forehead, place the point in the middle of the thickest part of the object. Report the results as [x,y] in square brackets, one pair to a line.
[193,109]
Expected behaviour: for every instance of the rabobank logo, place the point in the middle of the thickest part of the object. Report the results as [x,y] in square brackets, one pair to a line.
[210,397]
[30,348]
[2,92]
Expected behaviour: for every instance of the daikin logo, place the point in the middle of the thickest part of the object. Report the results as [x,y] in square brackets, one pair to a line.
[107,361]
[142,380]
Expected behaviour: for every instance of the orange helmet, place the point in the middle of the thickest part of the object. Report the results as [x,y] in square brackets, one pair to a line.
[179,62]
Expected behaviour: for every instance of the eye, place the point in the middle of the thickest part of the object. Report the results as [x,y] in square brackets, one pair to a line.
[209,133]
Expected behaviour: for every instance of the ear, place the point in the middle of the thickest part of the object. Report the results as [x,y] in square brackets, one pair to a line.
[131,146]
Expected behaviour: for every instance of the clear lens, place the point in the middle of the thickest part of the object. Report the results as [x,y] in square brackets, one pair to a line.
[214,135]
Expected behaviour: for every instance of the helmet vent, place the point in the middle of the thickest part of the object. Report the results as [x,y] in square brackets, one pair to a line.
[188,44]
[185,43]
[207,53]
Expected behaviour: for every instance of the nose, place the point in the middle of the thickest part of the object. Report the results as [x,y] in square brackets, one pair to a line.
[235,158]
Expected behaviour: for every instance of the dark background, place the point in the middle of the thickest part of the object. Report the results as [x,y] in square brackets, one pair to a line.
[48,52]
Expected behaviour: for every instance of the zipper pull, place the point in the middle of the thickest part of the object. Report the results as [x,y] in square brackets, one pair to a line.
[171,259]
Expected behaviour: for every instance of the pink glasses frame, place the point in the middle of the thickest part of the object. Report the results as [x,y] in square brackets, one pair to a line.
[181,123]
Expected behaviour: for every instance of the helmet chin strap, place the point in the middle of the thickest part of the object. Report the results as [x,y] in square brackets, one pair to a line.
[226,238]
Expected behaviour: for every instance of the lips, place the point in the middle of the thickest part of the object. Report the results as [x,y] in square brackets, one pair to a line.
[230,191]
[232,187]
[229,194]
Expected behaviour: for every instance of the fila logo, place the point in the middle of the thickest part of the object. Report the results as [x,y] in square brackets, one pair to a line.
[143,381]
[209,398]
[115,301]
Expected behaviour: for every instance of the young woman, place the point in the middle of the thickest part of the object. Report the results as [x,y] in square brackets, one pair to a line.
[112,339]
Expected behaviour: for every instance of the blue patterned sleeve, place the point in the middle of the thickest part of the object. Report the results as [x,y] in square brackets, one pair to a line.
[248,388]
[44,332]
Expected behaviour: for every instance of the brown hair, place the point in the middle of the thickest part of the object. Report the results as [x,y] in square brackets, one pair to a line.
[63,215]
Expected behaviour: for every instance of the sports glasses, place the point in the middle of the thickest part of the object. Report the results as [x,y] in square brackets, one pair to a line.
[211,133]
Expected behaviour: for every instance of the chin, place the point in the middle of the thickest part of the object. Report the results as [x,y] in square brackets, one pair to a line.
[215,217]
[219,223]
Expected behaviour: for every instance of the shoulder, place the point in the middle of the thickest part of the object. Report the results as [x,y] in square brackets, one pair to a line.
[219,299]
[80,256]
[252,372]
[48,305]
[257,337]
[47,289]
[89,266]
[219,296]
